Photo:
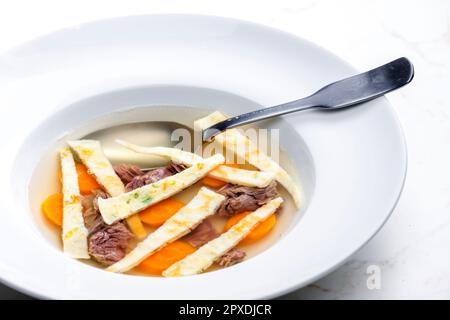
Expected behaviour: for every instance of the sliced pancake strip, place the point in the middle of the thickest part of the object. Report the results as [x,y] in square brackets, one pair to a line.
[248,178]
[206,255]
[232,138]
[204,204]
[126,204]
[91,154]
[74,233]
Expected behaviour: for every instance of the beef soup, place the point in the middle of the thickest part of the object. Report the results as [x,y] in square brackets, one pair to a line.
[192,214]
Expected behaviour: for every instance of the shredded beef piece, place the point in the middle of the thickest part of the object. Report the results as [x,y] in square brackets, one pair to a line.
[108,245]
[175,167]
[127,172]
[91,213]
[202,234]
[241,198]
[231,257]
[154,175]
[147,178]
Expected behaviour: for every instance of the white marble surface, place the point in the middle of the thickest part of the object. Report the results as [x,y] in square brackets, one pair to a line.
[412,250]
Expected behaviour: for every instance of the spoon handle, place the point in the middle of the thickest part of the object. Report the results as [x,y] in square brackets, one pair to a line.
[340,94]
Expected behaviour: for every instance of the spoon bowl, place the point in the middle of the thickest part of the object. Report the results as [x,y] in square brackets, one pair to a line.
[149,133]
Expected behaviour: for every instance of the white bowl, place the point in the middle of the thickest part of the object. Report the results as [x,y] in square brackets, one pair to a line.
[352,163]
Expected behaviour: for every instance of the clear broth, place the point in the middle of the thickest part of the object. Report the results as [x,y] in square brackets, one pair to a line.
[286,215]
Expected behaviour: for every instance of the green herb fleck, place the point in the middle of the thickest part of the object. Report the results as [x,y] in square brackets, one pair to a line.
[146,199]
[136,195]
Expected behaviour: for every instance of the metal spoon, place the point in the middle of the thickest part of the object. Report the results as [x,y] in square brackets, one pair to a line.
[340,94]
[343,93]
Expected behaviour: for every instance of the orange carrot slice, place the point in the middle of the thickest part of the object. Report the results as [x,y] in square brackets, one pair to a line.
[157,214]
[216,183]
[86,181]
[52,207]
[213,182]
[164,258]
[256,234]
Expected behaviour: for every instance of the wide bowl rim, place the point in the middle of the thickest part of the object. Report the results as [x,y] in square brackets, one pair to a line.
[345,256]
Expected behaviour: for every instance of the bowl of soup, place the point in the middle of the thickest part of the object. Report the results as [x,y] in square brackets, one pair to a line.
[108,194]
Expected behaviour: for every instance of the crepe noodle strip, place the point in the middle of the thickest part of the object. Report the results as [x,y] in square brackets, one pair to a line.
[204,204]
[91,154]
[232,138]
[206,255]
[74,233]
[126,204]
[249,178]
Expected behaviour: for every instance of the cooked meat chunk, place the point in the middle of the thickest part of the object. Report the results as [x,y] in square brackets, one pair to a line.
[108,245]
[147,178]
[154,175]
[175,167]
[202,234]
[127,172]
[231,257]
[91,214]
[241,198]
[98,194]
